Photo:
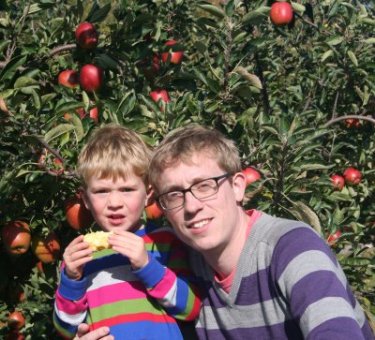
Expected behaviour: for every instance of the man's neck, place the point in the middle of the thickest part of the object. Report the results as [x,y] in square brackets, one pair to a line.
[224,260]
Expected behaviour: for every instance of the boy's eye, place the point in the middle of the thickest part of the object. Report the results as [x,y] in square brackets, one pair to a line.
[127,189]
[100,191]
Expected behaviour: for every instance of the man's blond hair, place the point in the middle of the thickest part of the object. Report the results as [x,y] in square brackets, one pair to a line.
[182,143]
[114,151]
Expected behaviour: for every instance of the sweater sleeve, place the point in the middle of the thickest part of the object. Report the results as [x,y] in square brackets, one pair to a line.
[70,306]
[172,285]
[315,288]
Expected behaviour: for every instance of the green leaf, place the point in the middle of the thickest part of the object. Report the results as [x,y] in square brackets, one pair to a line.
[353,58]
[127,104]
[369,41]
[24,82]
[305,214]
[335,40]
[57,131]
[326,55]
[306,167]
[298,7]
[251,78]
[11,67]
[256,16]
[78,127]
[214,10]
[97,15]
[67,107]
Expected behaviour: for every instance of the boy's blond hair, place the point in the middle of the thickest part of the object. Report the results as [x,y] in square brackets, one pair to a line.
[182,143]
[113,151]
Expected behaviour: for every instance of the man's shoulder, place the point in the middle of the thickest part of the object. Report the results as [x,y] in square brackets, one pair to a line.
[270,229]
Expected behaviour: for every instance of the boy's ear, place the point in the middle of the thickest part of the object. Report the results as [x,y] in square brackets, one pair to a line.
[84,198]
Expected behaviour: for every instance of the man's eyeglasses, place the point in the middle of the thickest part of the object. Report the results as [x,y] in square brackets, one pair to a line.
[200,190]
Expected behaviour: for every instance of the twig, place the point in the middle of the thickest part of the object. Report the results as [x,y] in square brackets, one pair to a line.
[335,105]
[338,119]
[62,48]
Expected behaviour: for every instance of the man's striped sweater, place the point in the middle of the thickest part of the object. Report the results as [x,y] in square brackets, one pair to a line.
[140,304]
[287,285]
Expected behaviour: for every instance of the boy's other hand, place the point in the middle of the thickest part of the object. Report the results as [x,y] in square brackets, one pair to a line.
[131,246]
[76,255]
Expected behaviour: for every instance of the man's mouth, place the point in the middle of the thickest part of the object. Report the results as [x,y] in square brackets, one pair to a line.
[199,224]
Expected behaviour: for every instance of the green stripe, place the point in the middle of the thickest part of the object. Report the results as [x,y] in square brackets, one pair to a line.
[125,307]
[102,253]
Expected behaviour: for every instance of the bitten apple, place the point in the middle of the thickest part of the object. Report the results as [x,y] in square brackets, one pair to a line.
[281,13]
[86,35]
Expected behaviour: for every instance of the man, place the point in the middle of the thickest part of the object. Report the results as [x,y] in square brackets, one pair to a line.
[263,277]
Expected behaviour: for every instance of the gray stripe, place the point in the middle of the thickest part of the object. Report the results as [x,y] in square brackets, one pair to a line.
[359,313]
[266,313]
[323,310]
[304,264]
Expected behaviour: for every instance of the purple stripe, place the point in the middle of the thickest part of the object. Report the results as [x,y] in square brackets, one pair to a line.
[288,330]
[295,242]
[314,287]
[260,288]
[346,327]
[210,297]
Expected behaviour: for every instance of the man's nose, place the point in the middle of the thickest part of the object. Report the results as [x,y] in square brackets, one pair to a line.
[192,204]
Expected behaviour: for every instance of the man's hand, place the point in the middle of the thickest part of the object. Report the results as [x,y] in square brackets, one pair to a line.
[84,333]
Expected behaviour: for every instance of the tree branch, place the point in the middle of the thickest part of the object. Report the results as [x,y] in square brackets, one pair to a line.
[338,119]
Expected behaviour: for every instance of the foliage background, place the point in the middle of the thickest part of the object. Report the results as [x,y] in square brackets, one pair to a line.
[282,93]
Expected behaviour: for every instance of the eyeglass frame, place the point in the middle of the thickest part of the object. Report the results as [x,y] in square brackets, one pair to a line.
[184,191]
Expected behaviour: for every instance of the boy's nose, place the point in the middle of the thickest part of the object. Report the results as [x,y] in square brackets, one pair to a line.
[115,199]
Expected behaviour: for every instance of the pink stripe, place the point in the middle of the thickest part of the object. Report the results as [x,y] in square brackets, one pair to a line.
[163,287]
[116,292]
[70,307]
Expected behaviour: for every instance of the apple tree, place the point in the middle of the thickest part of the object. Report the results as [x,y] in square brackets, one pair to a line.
[291,82]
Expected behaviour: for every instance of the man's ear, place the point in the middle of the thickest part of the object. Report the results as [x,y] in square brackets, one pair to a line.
[150,197]
[239,186]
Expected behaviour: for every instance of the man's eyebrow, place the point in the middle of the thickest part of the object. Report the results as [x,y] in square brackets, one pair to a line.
[179,188]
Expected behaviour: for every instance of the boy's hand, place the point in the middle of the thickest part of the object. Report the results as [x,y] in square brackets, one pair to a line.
[131,246]
[76,255]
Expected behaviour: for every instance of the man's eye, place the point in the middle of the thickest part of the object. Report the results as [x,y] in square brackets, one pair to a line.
[174,195]
[204,186]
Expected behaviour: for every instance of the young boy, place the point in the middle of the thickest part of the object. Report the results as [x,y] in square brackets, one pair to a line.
[139,286]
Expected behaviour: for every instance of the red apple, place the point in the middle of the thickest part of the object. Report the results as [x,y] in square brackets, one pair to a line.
[251,175]
[56,168]
[153,211]
[352,176]
[86,35]
[93,113]
[352,123]
[16,237]
[338,182]
[91,77]
[68,78]
[76,213]
[332,238]
[16,320]
[174,57]
[46,249]
[160,94]
[281,13]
